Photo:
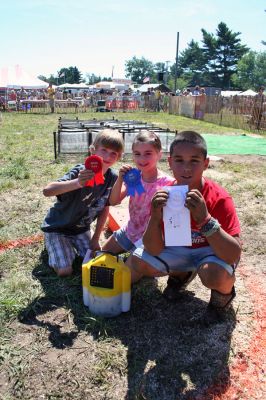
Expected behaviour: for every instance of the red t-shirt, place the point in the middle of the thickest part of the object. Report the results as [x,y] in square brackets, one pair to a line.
[221,207]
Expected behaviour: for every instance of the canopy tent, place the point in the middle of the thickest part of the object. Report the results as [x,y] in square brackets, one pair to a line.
[229,93]
[156,86]
[248,92]
[16,78]
[106,85]
[73,86]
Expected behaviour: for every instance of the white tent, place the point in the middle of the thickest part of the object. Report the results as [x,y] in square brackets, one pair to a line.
[16,77]
[159,86]
[248,92]
[74,86]
[104,85]
[229,93]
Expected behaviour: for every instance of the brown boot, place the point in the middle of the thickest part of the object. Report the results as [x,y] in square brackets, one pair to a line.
[175,286]
[218,306]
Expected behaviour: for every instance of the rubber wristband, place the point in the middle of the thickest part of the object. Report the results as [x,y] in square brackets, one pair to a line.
[204,222]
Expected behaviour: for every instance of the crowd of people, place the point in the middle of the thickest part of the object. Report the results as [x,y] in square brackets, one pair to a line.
[154,100]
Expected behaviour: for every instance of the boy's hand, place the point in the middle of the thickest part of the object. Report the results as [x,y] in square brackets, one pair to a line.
[125,168]
[84,176]
[196,204]
[158,201]
[94,245]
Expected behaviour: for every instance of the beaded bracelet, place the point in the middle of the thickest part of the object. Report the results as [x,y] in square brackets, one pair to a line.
[210,227]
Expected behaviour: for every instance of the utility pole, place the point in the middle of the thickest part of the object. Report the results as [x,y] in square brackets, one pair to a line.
[176,58]
[166,72]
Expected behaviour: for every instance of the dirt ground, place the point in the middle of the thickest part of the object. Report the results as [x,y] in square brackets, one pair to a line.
[158,350]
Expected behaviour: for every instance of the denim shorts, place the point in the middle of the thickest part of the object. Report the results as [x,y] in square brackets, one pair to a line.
[62,249]
[123,241]
[177,258]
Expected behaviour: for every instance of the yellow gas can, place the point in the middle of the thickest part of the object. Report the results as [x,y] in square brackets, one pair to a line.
[106,283]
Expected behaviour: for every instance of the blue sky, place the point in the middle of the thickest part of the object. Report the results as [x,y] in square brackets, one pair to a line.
[45,35]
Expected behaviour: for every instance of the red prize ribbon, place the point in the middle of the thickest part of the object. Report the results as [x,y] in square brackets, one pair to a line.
[95,164]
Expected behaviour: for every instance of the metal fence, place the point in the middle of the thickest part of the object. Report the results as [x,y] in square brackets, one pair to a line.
[76,136]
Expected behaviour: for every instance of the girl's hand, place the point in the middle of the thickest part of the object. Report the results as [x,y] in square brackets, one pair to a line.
[196,204]
[125,168]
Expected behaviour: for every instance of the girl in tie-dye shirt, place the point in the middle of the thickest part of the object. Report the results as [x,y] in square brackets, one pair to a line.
[147,151]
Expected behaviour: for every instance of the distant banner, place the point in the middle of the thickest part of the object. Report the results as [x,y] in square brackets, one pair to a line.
[121,104]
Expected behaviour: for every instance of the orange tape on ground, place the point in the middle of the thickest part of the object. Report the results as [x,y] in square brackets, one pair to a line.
[12,244]
[247,371]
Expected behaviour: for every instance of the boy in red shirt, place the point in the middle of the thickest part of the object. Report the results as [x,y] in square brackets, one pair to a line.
[215,231]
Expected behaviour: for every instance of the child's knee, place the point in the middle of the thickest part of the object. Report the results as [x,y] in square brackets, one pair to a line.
[142,267]
[112,245]
[63,271]
[215,276]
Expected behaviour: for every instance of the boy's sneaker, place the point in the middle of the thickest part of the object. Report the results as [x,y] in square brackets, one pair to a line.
[175,286]
[218,306]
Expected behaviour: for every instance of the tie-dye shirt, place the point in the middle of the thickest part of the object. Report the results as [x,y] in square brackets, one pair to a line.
[140,206]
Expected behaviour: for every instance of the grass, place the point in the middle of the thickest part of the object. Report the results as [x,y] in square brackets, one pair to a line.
[51,346]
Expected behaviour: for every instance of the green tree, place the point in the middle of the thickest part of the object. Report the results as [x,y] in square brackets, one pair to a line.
[223,52]
[64,75]
[215,61]
[181,83]
[43,78]
[139,68]
[192,65]
[251,71]
[93,78]
[50,79]
[69,75]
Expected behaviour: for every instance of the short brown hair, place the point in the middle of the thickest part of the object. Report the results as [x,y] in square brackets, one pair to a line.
[110,138]
[190,137]
[149,137]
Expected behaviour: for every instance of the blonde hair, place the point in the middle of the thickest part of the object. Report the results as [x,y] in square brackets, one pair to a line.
[111,139]
[149,137]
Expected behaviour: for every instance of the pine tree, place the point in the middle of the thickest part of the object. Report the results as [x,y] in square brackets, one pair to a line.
[223,53]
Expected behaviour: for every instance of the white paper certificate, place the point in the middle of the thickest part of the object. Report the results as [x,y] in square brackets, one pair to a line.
[176,217]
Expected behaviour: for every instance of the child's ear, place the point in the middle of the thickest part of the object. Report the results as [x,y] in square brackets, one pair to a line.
[169,161]
[160,154]
[206,163]
[92,149]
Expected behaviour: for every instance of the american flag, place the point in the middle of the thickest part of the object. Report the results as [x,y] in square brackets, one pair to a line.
[147,79]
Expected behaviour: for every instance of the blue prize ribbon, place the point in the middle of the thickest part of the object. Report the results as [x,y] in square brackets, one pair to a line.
[132,179]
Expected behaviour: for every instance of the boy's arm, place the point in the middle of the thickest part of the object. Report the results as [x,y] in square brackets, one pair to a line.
[118,192]
[225,246]
[59,187]
[153,239]
[101,220]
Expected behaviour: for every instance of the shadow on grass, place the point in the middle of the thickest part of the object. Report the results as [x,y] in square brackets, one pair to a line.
[170,354]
